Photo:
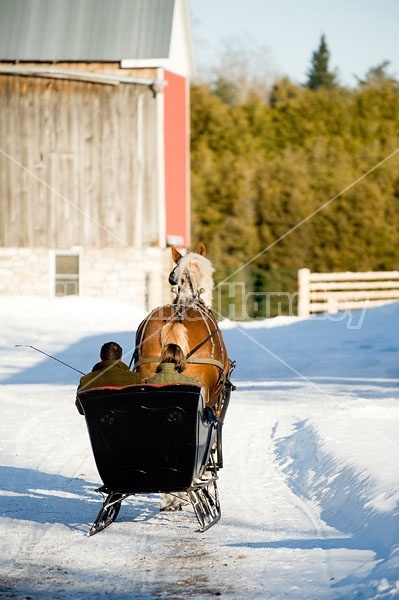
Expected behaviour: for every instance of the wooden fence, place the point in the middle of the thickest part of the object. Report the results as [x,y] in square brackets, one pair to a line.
[332,292]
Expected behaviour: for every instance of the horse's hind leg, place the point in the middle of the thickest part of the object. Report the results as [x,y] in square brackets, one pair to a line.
[173,501]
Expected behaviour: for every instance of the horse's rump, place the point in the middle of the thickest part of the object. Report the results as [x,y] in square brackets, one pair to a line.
[194,329]
[175,332]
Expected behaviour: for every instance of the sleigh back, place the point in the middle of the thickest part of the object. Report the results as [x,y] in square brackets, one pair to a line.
[149,438]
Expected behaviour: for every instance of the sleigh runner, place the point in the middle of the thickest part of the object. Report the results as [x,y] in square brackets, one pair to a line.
[152,439]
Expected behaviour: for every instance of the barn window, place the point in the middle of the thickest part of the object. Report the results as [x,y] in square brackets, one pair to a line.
[66,270]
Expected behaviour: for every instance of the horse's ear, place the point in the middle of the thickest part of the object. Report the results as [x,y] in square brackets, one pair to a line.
[201,249]
[175,255]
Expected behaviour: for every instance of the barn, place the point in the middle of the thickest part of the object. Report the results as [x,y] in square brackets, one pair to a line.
[94,146]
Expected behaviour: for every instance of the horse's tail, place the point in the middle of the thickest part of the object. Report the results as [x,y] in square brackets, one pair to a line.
[175,333]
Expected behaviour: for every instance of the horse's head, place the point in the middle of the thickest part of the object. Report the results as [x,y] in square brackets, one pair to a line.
[192,275]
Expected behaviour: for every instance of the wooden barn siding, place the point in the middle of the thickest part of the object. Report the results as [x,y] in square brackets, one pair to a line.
[80,139]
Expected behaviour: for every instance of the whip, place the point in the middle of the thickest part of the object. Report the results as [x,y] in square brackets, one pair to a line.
[49,355]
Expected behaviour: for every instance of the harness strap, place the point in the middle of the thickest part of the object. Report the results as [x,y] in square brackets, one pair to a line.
[198,346]
[206,361]
[200,361]
[187,274]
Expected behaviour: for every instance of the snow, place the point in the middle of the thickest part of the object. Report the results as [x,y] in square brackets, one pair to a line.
[310,484]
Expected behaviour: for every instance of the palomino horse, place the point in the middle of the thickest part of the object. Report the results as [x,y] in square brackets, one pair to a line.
[190,323]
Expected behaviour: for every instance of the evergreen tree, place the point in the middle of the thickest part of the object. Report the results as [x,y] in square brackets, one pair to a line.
[319,75]
[227,90]
[377,75]
[283,91]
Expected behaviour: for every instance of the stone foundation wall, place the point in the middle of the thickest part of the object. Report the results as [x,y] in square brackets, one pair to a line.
[24,271]
[138,276]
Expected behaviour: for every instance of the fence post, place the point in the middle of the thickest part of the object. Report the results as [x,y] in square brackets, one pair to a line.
[303,292]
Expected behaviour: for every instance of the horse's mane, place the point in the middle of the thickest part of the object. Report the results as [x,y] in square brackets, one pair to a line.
[200,270]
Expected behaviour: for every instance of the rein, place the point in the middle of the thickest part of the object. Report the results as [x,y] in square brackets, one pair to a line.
[187,274]
[198,346]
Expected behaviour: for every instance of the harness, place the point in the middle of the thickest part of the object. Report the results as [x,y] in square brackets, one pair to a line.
[173,281]
[178,315]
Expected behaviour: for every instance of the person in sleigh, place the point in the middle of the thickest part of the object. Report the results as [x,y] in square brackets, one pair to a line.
[110,371]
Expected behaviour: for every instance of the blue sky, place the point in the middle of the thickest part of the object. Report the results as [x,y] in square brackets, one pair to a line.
[360,33]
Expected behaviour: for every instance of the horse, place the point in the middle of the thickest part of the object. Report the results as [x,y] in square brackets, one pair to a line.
[190,323]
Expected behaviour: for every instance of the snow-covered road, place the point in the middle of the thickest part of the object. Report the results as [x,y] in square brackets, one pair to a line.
[309,490]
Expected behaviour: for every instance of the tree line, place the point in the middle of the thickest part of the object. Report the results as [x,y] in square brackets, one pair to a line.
[300,176]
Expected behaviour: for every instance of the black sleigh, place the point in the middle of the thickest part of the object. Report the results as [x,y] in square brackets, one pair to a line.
[155,438]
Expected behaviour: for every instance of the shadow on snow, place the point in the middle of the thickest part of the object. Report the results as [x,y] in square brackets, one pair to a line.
[30,495]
